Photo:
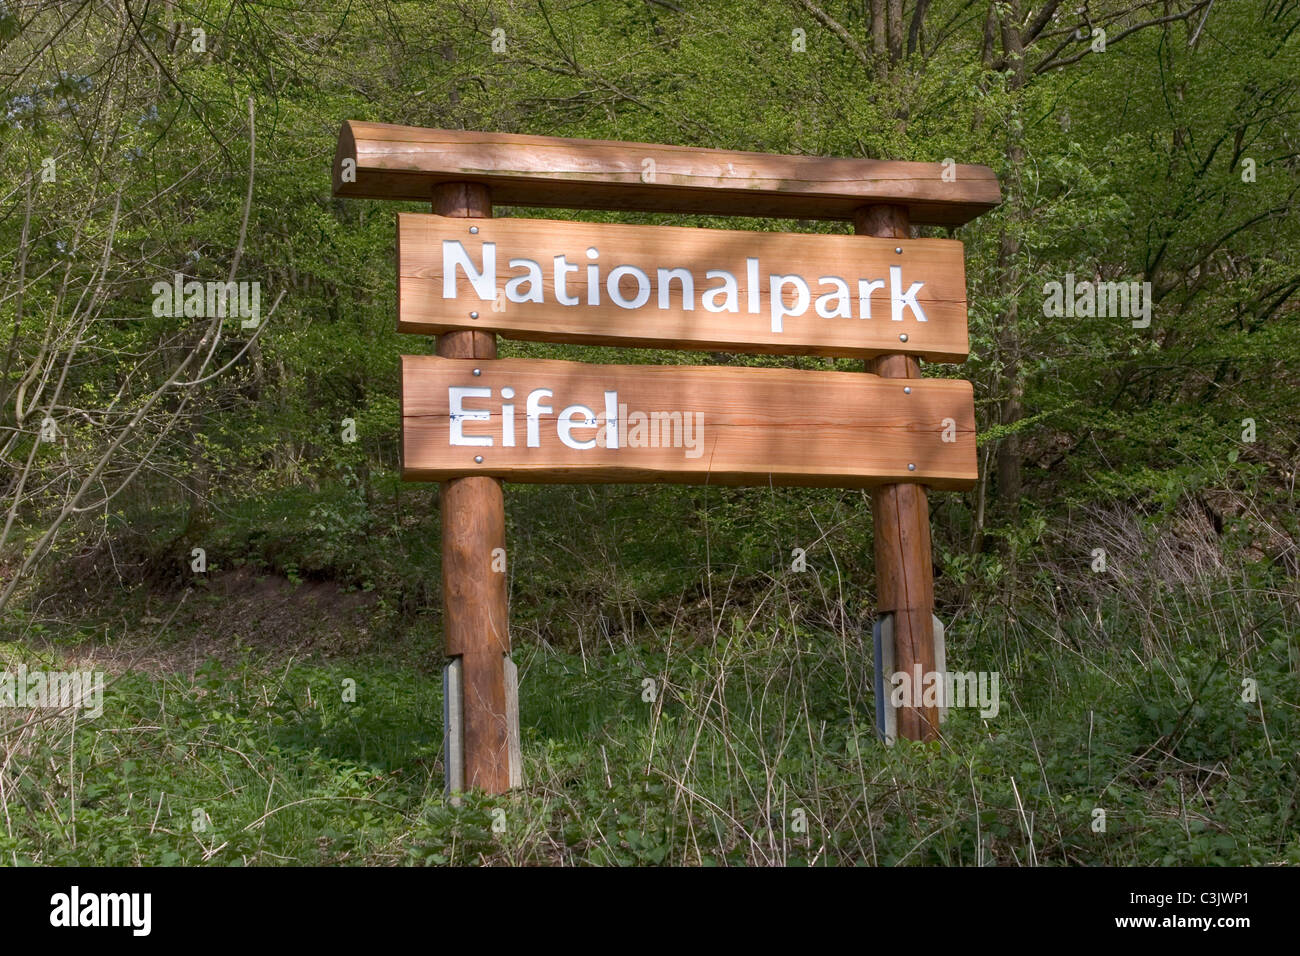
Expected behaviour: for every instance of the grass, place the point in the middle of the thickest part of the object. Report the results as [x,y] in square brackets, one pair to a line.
[750,743]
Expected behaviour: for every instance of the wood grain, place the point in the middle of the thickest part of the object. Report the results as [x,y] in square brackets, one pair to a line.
[760,425]
[404,162]
[901,517]
[474,597]
[936,263]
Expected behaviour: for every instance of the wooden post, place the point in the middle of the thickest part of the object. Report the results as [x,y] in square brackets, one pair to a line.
[901,514]
[474,599]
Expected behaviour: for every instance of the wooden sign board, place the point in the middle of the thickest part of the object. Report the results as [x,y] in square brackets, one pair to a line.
[539,420]
[467,420]
[673,287]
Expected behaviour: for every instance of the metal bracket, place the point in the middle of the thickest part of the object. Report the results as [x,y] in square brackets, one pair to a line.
[512,724]
[882,639]
[453,731]
[453,727]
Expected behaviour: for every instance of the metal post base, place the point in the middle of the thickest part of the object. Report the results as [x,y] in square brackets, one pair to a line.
[882,637]
[453,727]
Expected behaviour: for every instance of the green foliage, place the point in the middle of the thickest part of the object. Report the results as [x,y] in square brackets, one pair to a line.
[751,752]
[1123,687]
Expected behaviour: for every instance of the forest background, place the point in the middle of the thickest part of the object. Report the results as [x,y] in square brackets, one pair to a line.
[1127,563]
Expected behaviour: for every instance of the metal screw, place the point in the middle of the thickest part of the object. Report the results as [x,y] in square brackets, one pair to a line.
[903,337]
[898,250]
[478,371]
[473,315]
[473,230]
[907,389]
[910,466]
[478,460]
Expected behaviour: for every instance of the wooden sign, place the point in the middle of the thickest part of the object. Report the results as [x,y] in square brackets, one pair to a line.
[383,161]
[470,420]
[539,420]
[673,287]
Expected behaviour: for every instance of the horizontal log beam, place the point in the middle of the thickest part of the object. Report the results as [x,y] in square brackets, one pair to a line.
[406,162]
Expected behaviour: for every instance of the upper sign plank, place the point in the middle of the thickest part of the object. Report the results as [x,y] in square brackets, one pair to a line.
[380,161]
[674,287]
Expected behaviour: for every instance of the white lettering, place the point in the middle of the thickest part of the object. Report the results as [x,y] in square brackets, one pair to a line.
[906,299]
[616,293]
[484,282]
[801,297]
[457,414]
[565,424]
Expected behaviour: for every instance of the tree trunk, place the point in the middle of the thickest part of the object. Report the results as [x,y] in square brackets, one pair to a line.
[895,30]
[1008,333]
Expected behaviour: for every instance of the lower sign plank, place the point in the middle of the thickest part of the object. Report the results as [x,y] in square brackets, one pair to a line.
[539,420]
